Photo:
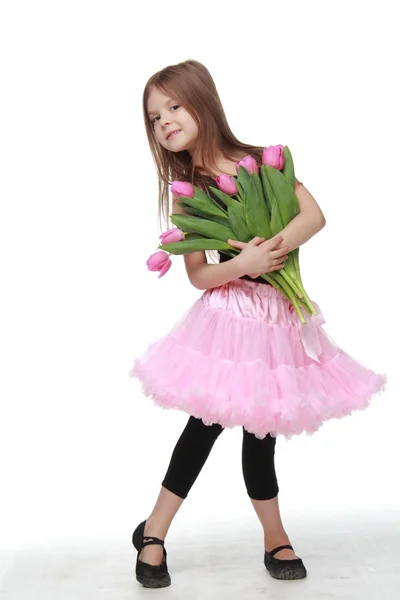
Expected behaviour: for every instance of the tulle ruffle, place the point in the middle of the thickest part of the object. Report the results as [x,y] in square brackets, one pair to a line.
[239,357]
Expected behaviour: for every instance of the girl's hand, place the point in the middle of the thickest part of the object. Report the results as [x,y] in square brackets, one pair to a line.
[259,256]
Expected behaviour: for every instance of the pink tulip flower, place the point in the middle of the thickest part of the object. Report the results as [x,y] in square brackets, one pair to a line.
[249,163]
[274,157]
[172,235]
[227,184]
[182,188]
[159,261]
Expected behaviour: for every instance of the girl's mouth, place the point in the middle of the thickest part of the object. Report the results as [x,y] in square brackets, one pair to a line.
[173,134]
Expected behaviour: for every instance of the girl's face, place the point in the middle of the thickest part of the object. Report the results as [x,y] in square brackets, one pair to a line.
[167,116]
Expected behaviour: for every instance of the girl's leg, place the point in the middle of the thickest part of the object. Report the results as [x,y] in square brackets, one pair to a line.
[258,464]
[187,460]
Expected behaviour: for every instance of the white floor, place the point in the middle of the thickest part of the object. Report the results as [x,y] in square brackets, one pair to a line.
[355,556]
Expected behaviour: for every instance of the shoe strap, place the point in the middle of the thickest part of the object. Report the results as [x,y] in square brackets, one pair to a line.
[279,548]
[152,540]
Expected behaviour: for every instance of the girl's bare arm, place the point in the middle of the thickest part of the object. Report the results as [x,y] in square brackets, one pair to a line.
[307,223]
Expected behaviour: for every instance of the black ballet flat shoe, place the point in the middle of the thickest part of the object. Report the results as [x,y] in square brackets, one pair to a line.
[284,569]
[150,576]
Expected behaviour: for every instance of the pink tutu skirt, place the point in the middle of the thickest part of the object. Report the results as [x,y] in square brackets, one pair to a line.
[240,356]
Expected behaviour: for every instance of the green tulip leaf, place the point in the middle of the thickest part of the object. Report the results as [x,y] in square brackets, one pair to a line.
[195,245]
[256,212]
[227,200]
[238,222]
[243,178]
[206,227]
[288,167]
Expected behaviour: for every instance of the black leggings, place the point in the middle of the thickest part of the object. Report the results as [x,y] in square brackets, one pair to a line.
[194,446]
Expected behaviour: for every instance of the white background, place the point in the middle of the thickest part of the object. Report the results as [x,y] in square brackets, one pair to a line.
[83,452]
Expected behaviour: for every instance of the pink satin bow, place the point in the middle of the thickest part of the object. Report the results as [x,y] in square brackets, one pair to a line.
[309,331]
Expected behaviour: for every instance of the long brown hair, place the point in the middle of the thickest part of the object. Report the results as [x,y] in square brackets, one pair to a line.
[192,85]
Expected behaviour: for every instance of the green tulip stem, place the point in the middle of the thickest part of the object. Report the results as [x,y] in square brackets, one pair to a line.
[297,265]
[309,305]
[306,307]
[291,281]
[274,283]
[305,298]
[299,313]
[291,270]
[306,301]
[290,293]
[297,278]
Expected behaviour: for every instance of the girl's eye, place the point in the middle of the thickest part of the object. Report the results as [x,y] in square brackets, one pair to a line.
[174,106]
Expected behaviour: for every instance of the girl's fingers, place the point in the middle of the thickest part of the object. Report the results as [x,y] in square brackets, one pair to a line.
[258,240]
[278,253]
[237,244]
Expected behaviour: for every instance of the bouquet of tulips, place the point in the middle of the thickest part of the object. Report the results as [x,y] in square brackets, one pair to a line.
[260,201]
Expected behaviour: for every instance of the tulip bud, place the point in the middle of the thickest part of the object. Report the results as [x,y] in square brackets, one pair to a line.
[274,157]
[159,261]
[249,163]
[227,184]
[172,235]
[182,188]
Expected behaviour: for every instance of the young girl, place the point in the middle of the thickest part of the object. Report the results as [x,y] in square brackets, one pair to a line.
[238,356]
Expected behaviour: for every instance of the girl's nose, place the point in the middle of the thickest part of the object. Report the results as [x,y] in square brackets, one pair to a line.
[165,120]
